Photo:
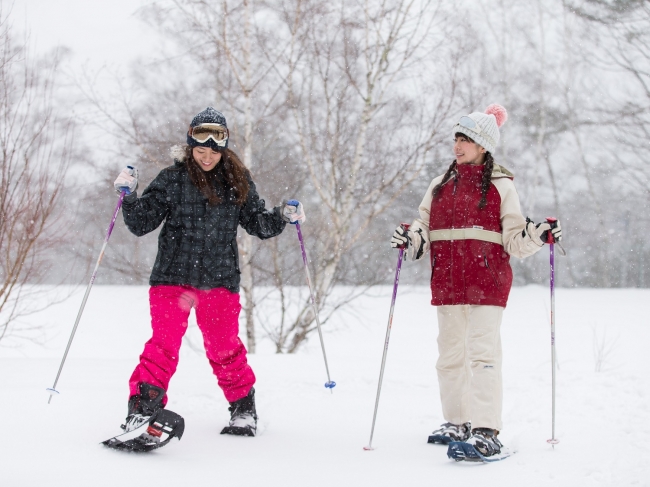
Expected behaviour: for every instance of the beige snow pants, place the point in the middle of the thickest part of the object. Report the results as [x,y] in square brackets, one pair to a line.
[469,364]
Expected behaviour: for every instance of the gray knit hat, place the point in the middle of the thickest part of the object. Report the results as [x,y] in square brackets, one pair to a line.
[483,128]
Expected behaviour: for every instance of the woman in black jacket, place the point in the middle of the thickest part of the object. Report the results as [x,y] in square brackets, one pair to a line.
[201,199]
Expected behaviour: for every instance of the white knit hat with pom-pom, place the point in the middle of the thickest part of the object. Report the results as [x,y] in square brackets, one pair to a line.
[483,128]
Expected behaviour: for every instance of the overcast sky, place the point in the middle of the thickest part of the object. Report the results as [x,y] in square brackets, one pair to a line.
[99,32]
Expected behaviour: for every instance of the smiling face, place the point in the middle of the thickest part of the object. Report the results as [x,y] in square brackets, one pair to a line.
[467,151]
[206,157]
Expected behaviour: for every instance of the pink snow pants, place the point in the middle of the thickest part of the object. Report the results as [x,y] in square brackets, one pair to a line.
[217,314]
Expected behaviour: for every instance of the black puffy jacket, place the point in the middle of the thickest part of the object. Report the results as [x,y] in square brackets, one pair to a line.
[197,245]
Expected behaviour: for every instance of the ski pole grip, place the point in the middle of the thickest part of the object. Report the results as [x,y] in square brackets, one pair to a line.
[551,220]
[405,226]
[293,203]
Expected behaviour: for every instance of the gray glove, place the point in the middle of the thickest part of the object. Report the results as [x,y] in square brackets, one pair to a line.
[127,180]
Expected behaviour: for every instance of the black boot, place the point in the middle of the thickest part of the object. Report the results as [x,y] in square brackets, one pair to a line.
[143,406]
[243,417]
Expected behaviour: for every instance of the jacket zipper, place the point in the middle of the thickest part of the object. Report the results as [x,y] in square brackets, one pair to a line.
[433,268]
[451,249]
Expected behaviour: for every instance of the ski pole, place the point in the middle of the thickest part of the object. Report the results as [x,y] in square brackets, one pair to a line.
[330,384]
[551,241]
[405,226]
[52,390]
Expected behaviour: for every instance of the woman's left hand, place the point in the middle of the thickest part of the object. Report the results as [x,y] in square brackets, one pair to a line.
[554,227]
[293,212]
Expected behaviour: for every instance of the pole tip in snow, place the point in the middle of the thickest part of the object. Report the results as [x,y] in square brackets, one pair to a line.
[330,385]
[368,448]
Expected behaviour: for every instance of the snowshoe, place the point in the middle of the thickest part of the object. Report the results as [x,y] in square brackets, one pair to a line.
[243,417]
[157,432]
[143,406]
[482,446]
[449,432]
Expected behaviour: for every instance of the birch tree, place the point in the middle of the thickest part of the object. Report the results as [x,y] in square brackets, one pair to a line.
[232,40]
[363,130]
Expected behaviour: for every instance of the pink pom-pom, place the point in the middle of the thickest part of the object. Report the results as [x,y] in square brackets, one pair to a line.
[499,113]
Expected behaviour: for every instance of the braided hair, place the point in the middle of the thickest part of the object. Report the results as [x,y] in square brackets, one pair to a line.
[486,179]
[451,171]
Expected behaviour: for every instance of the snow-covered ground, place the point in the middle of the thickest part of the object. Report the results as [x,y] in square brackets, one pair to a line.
[309,437]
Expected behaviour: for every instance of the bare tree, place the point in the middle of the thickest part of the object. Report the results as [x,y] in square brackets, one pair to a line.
[35,146]
[224,54]
[363,143]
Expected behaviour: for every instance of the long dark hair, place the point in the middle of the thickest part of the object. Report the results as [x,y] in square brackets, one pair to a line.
[486,177]
[229,173]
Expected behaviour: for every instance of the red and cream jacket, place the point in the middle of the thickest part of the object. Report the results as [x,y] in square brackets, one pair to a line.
[471,247]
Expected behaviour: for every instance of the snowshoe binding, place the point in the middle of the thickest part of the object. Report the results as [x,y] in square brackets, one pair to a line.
[158,431]
[148,426]
[482,446]
[449,432]
[143,406]
[243,417]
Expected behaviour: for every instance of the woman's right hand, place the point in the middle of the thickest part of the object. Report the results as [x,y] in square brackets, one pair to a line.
[401,238]
[293,212]
[127,180]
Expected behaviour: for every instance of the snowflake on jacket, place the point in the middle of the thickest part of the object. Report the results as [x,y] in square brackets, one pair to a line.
[197,245]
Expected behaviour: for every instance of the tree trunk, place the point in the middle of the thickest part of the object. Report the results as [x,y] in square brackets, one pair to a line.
[246,239]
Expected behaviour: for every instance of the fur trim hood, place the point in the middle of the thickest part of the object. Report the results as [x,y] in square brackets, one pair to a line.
[177,153]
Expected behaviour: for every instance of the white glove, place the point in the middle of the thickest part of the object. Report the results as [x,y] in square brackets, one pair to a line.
[554,227]
[293,212]
[127,180]
[556,231]
[401,238]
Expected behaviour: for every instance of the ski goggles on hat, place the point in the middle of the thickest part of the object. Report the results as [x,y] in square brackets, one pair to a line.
[468,123]
[206,131]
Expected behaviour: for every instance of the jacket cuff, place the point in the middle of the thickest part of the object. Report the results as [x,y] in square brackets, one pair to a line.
[534,236]
[278,213]
[130,199]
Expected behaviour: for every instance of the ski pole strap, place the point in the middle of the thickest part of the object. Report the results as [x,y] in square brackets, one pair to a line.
[466,234]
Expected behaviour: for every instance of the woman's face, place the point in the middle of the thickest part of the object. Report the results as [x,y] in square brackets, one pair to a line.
[467,151]
[206,157]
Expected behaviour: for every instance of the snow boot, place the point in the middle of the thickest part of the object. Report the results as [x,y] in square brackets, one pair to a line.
[485,441]
[143,406]
[449,432]
[243,417]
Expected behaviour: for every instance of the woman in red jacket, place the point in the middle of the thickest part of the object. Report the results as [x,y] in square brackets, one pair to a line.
[471,222]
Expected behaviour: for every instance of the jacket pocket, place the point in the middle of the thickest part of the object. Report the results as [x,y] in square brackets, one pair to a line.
[235,252]
[490,270]
[433,267]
